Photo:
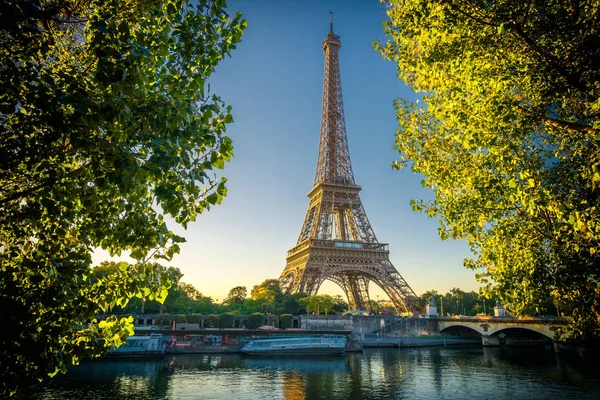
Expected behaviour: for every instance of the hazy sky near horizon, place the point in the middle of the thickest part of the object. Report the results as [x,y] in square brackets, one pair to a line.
[274,82]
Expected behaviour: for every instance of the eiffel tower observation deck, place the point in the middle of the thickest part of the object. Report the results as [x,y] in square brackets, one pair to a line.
[337,242]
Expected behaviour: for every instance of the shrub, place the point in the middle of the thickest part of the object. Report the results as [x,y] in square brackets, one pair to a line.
[227,320]
[286,321]
[194,318]
[213,321]
[163,320]
[180,319]
[256,320]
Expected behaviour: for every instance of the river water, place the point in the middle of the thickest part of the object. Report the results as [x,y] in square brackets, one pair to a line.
[413,373]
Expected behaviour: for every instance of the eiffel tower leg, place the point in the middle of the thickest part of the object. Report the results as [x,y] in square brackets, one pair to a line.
[359,285]
[405,305]
[399,292]
[297,278]
[288,282]
[311,282]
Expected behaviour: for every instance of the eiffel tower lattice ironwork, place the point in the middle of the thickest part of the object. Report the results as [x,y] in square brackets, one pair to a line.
[337,242]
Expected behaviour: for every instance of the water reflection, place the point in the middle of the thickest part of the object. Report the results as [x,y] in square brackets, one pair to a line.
[293,385]
[108,380]
[449,373]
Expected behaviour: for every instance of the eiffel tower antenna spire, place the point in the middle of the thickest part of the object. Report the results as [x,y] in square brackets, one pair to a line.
[337,242]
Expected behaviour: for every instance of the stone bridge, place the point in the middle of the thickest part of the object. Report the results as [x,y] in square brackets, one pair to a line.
[493,329]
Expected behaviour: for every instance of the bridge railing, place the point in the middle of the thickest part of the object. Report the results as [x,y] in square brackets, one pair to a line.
[522,319]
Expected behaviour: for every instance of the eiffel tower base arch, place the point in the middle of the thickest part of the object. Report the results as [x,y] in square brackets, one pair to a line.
[352,270]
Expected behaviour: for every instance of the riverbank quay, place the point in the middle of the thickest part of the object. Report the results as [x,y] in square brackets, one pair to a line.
[230,341]
[375,331]
[217,342]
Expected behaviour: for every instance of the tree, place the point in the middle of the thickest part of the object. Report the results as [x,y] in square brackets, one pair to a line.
[203,306]
[268,308]
[106,127]
[423,300]
[184,297]
[304,304]
[269,290]
[251,306]
[340,305]
[290,304]
[459,302]
[189,291]
[321,303]
[508,140]
[237,294]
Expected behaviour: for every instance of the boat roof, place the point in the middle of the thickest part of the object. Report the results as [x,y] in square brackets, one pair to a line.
[247,332]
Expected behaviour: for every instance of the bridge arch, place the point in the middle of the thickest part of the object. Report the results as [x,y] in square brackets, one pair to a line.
[523,331]
[461,330]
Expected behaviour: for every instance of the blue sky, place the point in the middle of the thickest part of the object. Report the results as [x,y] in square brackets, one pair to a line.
[274,82]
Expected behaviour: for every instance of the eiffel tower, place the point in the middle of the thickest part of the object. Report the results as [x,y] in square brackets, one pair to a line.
[337,242]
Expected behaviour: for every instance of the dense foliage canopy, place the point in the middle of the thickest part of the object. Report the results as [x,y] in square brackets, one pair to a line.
[459,302]
[182,297]
[107,126]
[508,138]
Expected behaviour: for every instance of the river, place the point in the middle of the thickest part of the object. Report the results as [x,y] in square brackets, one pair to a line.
[409,373]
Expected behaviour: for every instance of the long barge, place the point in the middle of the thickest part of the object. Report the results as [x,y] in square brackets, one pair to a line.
[321,345]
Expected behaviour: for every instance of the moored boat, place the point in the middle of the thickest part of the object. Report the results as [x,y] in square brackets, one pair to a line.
[296,346]
[140,346]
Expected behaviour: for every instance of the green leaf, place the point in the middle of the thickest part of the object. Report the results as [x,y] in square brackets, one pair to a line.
[137,254]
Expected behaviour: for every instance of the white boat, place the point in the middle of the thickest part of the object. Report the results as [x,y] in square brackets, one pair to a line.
[297,345]
[140,346]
